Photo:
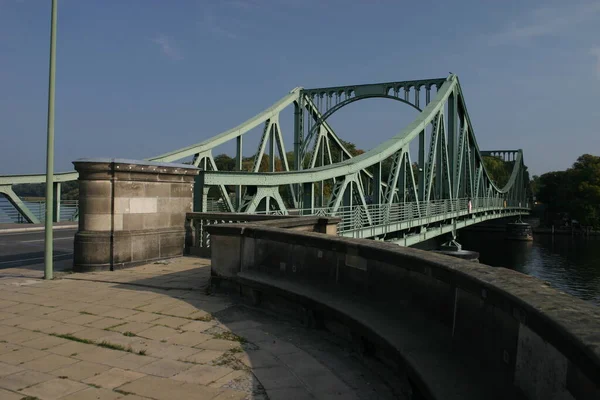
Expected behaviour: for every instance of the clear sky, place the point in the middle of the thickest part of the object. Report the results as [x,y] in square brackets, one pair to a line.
[137,78]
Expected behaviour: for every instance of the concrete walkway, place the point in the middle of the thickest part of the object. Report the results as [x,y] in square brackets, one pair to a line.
[154,332]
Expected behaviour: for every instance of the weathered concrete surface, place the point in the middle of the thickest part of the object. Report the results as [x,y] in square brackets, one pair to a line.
[490,329]
[130,212]
[164,338]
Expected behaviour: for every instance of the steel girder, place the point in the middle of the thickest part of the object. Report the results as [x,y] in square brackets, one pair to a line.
[450,164]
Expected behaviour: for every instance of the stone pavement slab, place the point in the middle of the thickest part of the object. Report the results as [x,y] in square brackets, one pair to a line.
[153,332]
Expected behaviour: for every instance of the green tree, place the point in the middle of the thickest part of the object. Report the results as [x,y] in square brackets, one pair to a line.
[498,170]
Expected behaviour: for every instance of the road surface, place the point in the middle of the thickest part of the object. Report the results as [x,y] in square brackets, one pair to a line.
[25,250]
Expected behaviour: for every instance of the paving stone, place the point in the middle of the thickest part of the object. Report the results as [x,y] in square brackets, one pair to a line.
[172,352]
[23,379]
[18,308]
[278,347]
[277,378]
[233,395]
[184,311]
[171,322]
[6,395]
[203,374]
[7,369]
[113,378]
[105,323]
[5,330]
[81,370]
[21,355]
[65,329]
[54,389]
[218,344]
[8,347]
[189,338]
[204,356]
[17,320]
[165,368]
[295,393]
[22,335]
[197,326]
[229,378]
[156,306]
[158,332]
[48,363]
[39,324]
[44,342]
[62,315]
[95,394]
[130,361]
[133,327]
[258,359]
[143,317]
[96,309]
[100,354]
[93,334]
[153,386]
[70,348]
[82,319]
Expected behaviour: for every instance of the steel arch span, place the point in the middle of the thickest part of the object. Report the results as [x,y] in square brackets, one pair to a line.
[450,187]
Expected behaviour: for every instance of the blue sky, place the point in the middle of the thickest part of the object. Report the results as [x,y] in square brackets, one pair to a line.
[137,78]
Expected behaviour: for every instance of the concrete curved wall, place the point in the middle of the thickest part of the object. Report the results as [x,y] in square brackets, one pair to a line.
[543,342]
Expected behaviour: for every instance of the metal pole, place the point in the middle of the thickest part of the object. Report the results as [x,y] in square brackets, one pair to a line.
[48,254]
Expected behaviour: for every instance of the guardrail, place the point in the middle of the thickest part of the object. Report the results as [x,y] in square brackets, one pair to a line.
[69,211]
[359,216]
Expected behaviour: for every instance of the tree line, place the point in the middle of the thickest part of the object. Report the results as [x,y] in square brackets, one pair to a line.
[575,191]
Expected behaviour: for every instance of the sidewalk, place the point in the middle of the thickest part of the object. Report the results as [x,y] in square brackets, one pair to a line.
[12,228]
[153,332]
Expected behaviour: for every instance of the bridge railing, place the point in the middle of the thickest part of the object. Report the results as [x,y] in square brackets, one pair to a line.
[69,211]
[197,239]
[359,216]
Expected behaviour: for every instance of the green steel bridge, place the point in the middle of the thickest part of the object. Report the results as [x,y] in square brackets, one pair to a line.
[449,189]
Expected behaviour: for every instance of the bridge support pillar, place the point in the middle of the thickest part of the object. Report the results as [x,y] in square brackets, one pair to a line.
[131,212]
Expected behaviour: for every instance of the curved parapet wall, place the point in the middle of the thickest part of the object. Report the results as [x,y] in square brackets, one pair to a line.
[461,330]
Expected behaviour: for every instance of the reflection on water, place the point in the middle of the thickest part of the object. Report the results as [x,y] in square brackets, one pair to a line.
[569,264]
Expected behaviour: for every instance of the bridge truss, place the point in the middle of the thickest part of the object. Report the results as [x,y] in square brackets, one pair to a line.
[431,193]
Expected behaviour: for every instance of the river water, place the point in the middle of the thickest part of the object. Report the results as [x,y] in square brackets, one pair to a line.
[567,263]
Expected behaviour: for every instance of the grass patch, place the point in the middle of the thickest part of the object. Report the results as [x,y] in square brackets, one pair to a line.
[30,398]
[74,354]
[94,386]
[129,334]
[85,313]
[63,377]
[142,352]
[228,359]
[230,336]
[112,346]
[68,336]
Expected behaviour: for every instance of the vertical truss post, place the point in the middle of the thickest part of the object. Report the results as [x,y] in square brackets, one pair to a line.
[272,147]
[452,137]
[308,198]
[200,193]
[56,205]
[238,166]
[347,196]
[298,132]
[422,155]
[322,163]
[377,183]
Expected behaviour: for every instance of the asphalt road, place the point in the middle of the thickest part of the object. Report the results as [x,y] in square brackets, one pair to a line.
[26,250]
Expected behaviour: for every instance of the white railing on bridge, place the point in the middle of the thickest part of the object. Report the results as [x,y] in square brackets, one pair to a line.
[359,216]
[69,211]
